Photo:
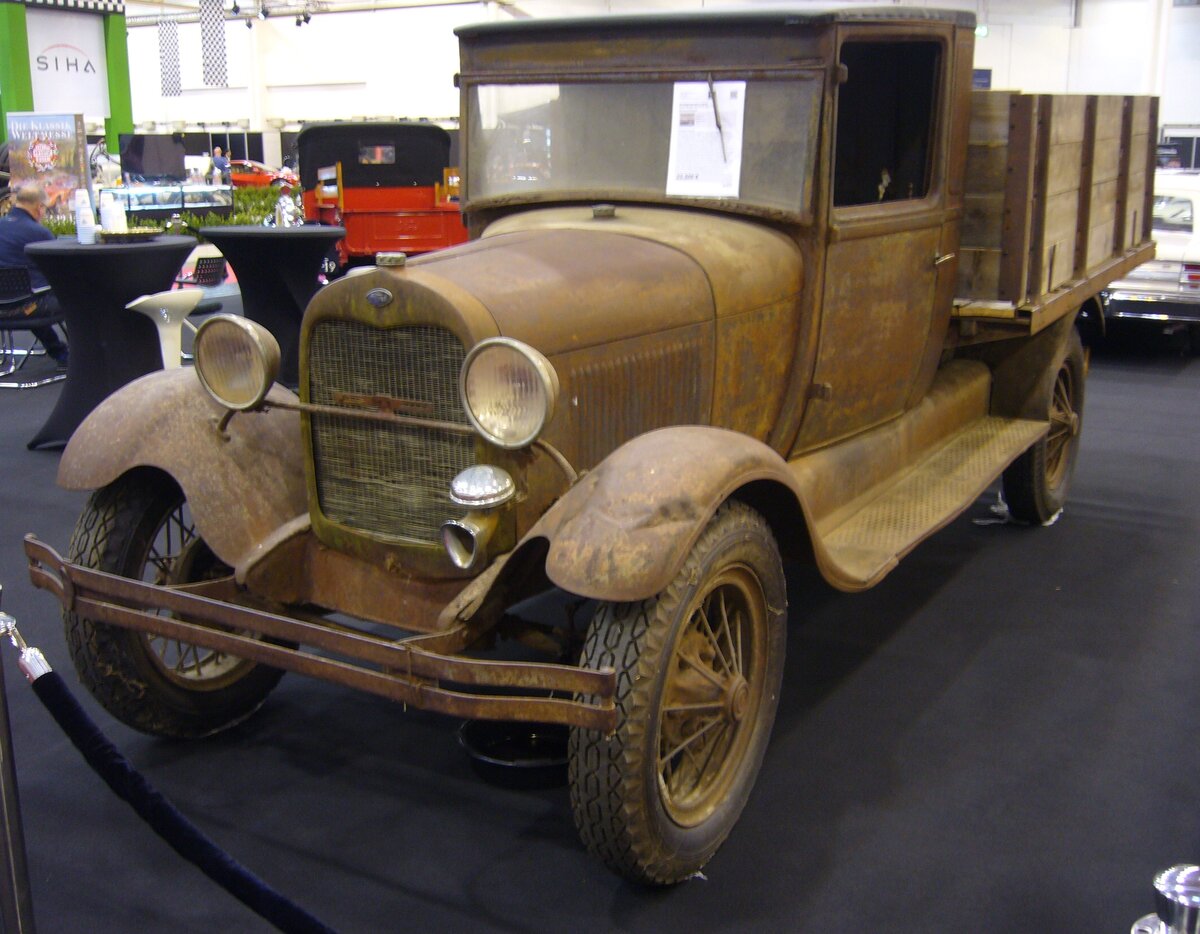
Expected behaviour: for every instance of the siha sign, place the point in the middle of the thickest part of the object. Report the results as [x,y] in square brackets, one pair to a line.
[66,59]
[67,62]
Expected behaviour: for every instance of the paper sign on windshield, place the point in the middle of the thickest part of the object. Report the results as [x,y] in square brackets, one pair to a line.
[706,139]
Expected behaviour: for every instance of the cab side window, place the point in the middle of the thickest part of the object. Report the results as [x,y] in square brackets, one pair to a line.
[885,122]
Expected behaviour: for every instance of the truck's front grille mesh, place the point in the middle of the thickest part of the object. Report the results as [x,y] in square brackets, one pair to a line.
[389,481]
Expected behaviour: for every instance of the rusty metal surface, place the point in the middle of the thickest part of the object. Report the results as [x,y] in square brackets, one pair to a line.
[405,671]
[241,485]
[546,287]
[298,569]
[755,275]
[622,532]
[877,315]
[748,265]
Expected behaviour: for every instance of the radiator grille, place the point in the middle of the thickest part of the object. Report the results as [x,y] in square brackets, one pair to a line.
[389,481]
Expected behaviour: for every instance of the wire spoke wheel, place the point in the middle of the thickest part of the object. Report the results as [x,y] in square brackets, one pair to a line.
[141,527]
[1035,486]
[698,673]
[1064,426]
[707,697]
[177,555]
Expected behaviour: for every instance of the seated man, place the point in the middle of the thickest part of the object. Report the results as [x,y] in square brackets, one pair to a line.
[18,227]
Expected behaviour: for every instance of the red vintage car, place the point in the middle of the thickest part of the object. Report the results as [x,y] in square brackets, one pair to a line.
[248,173]
[392,185]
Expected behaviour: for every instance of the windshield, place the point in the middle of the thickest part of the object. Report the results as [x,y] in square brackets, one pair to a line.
[742,143]
[1172,213]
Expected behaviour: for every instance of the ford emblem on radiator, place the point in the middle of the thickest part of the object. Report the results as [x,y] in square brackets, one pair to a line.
[379,297]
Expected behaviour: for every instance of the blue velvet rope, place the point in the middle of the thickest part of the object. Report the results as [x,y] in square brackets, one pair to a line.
[154,808]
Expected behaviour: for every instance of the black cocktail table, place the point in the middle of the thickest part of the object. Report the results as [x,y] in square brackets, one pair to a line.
[277,269]
[109,345]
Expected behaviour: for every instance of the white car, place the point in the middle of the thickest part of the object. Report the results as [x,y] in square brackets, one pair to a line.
[1166,289]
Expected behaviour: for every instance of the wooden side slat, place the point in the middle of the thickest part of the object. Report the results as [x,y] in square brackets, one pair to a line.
[1146,233]
[978,272]
[1067,117]
[989,116]
[987,166]
[1018,195]
[982,220]
[1057,197]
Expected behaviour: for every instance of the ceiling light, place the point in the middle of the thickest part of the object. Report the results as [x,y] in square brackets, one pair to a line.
[235,9]
[263,12]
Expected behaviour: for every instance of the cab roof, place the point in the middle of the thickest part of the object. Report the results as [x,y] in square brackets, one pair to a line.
[721,19]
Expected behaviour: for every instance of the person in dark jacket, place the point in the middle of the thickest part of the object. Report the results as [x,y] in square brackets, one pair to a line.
[18,227]
[220,167]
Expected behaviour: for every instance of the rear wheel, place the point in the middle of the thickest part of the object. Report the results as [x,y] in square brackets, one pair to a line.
[1035,486]
[698,674]
[140,527]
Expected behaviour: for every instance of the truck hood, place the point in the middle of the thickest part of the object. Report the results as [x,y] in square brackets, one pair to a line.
[565,279]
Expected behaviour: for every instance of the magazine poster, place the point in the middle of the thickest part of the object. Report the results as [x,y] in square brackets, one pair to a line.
[50,149]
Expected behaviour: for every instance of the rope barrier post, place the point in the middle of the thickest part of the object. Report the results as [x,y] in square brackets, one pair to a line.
[16,899]
[184,837]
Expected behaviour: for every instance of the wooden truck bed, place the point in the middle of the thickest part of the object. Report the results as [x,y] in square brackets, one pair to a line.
[1057,204]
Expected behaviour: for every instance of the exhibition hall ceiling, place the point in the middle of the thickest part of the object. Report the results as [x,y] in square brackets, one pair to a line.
[1058,12]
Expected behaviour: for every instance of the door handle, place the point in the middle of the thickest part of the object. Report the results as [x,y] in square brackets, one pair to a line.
[940,258]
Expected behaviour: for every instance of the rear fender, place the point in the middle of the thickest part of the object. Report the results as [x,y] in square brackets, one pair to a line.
[623,531]
[241,484]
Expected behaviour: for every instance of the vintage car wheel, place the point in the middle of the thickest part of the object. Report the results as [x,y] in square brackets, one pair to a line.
[140,527]
[698,673]
[1035,486]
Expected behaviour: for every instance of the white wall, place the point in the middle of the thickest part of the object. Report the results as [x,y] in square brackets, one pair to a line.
[1180,100]
[398,63]
[401,63]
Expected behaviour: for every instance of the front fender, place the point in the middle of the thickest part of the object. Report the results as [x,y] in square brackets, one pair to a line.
[623,531]
[240,485]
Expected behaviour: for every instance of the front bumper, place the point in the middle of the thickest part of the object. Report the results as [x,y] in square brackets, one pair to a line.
[413,670]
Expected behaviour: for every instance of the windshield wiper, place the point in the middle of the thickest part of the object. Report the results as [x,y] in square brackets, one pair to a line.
[712,96]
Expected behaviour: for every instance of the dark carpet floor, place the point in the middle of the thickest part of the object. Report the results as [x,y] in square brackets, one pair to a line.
[1001,737]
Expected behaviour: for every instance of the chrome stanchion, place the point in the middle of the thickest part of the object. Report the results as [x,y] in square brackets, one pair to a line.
[1177,903]
[16,900]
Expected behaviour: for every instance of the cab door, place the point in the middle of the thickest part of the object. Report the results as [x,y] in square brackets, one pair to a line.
[888,222]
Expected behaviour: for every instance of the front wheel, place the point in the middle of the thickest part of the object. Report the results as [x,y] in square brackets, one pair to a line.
[1035,486]
[698,674]
[140,527]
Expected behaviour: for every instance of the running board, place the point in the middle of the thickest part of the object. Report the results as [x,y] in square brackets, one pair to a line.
[885,524]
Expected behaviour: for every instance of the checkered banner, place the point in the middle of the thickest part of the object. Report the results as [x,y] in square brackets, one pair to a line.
[85,6]
[212,42]
[168,57]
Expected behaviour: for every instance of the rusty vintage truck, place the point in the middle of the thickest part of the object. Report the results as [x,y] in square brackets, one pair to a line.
[741,288]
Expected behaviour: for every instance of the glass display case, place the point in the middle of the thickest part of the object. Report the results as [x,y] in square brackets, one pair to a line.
[161,201]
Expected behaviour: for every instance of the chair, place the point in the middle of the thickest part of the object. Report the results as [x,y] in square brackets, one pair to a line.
[168,311]
[209,272]
[17,294]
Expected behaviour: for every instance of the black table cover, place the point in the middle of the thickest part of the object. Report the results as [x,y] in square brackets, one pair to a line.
[109,344]
[277,269]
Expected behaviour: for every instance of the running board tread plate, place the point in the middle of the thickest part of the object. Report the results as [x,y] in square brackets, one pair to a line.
[871,541]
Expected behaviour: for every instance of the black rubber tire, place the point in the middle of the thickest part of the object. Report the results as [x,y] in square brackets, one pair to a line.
[121,531]
[630,808]
[1036,484]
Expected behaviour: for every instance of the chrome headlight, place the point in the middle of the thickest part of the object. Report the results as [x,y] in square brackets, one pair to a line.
[236,360]
[508,390]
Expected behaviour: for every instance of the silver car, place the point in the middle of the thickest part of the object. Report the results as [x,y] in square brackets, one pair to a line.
[1166,289]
